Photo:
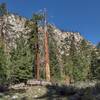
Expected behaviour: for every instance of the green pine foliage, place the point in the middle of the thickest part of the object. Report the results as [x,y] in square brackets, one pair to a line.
[54,64]
[21,61]
[95,63]
[3,66]
[77,63]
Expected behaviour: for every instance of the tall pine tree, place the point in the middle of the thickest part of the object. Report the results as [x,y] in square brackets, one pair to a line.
[21,61]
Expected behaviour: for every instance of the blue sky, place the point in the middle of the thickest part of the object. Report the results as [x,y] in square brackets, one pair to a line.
[72,15]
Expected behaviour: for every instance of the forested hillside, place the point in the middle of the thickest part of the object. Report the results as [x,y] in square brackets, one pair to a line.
[32,49]
[71,55]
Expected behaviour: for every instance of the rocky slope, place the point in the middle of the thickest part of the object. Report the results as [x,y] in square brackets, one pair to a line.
[12,26]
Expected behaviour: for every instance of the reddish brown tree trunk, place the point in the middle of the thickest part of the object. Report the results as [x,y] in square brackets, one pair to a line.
[37,59]
[47,66]
[37,66]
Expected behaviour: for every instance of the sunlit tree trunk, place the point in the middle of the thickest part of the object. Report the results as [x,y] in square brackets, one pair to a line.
[47,66]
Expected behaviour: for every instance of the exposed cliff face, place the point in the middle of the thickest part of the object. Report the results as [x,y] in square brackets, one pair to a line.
[63,39]
[12,26]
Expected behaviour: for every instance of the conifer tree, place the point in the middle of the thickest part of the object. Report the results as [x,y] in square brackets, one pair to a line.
[34,41]
[3,65]
[21,61]
[95,63]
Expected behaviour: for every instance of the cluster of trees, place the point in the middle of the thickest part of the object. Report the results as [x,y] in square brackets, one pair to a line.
[17,65]
[82,62]
[83,65]
[95,62]
[25,56]
[22,63]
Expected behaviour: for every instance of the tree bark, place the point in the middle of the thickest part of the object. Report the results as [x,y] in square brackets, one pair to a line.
[37,59]
[47,66]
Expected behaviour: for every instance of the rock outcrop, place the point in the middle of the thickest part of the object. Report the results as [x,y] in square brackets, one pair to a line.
[11,27]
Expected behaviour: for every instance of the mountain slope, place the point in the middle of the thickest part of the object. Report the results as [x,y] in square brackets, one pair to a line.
[70,53]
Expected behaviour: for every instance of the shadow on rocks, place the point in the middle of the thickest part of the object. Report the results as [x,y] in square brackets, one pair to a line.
[63,92]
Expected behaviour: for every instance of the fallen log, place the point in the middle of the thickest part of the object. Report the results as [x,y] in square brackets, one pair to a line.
[38,82]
